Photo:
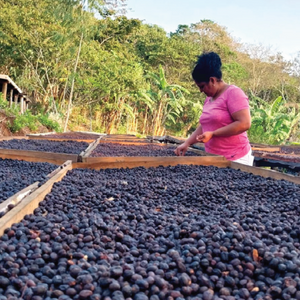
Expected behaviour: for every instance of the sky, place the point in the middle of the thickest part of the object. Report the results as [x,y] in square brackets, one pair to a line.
[275,24]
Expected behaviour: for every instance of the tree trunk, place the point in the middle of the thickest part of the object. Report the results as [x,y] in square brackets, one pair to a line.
[120,113]
[145,121]
[72,85]
[156,119]
[186,129]
[111,122]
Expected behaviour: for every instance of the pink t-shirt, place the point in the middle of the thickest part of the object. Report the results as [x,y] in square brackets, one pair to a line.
[217,114]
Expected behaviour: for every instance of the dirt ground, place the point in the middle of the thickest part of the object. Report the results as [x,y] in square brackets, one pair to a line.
[5,131]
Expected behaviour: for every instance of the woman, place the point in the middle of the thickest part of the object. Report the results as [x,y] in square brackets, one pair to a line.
[225,117]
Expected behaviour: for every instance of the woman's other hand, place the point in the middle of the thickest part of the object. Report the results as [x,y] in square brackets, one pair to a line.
[205,137]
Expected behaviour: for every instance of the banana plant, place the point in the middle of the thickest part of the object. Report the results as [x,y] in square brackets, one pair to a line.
[272,123]
[166,100]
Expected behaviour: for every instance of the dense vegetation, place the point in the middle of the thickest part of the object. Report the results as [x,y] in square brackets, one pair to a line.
[85,63]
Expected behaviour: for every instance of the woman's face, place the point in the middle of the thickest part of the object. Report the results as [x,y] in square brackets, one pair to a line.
[208,88]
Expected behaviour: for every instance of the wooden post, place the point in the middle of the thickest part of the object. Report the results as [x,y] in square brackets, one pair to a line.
[22,104]
[4,90]
[16,100]
[11,97]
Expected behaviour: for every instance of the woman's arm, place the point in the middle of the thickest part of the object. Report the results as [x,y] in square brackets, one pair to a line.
[181,149]
[241,123]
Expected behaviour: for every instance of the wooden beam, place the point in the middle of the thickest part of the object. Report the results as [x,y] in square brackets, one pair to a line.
[265,173]
[37,156]
[138,141]
[16,99]
[98,163]
[66,164]
[22,104]
[30,203]
[266,149]
[89,149]
[18,197]
[4,89]
[8,138]
[41,134]
[121,136]
[58,139]
[129,143]
[11,97]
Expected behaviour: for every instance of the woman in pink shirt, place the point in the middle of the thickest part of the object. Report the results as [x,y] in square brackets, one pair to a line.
[225,117]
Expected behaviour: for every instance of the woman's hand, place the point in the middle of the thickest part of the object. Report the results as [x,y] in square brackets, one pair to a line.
[205,137]
[181,149]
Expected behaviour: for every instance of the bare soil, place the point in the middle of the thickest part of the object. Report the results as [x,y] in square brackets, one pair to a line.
[5,131]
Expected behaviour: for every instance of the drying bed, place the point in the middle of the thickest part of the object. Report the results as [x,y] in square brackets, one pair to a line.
[116,150]
[68,147]
[290,149]
[279,156]
[184,232]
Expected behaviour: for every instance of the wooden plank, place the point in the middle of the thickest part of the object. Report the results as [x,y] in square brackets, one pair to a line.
[265,173]
[90,149]
[16,97]
[126,140]
[16,198]
[98,163]
[4,89]
[30,203]
[37,156]
[41,134]
[89,132]
[11,97]
[8,138]
[59,139]
[121,136]
[22,105]
[129,143]
[266,149]
[65,164]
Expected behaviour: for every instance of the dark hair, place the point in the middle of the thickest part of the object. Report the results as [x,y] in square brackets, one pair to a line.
[208,65]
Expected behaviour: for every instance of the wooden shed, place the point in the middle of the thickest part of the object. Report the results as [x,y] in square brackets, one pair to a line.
[12,93]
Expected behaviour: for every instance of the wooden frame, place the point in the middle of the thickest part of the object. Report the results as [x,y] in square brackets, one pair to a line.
[45,136]
[37,156]
[31,202]
[87,152]
[266,149]
[61,140]
[18,197]
[8,138]
[98,163]
[265,173]
[121,136]
[130,141]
